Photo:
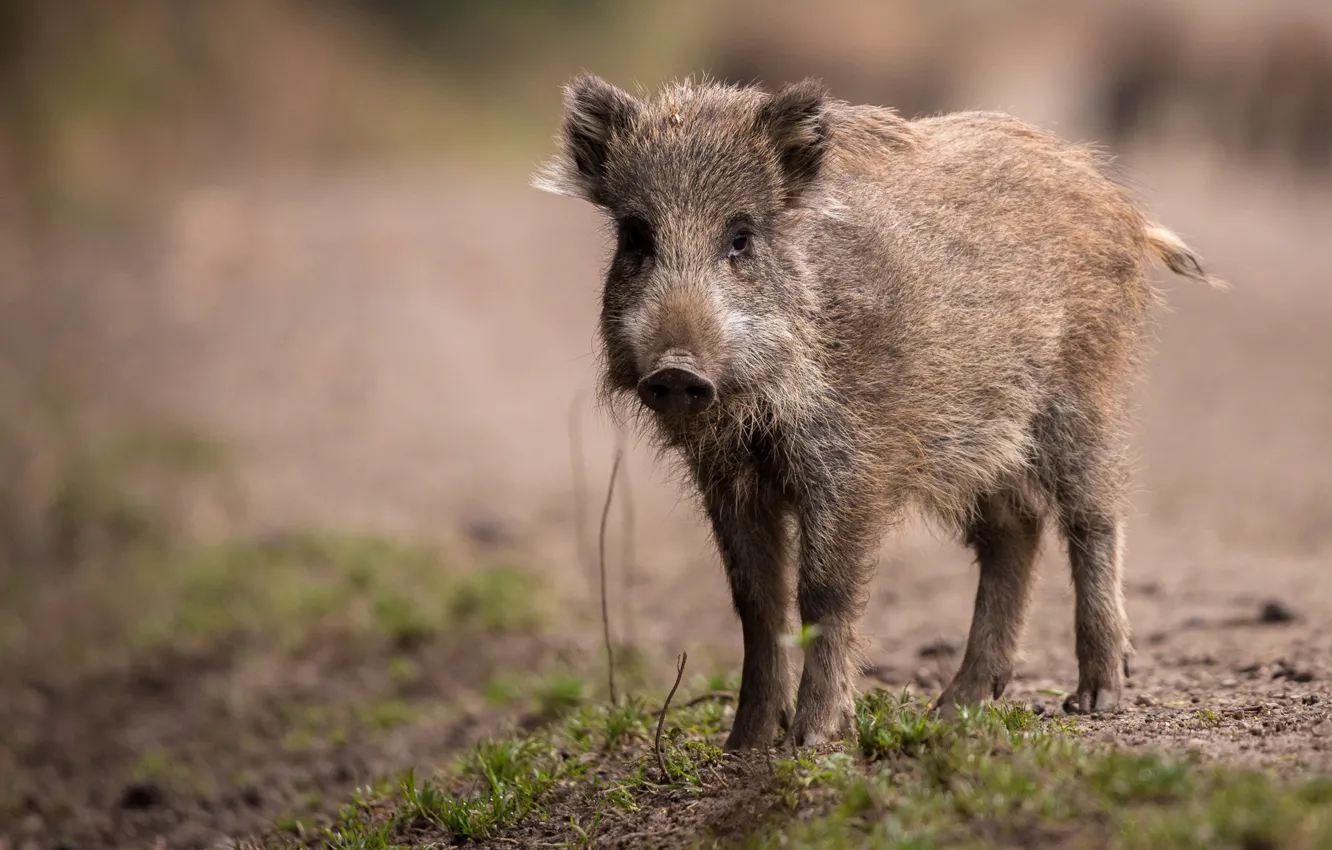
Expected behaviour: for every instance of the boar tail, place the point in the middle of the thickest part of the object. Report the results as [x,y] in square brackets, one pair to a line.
[1178,257]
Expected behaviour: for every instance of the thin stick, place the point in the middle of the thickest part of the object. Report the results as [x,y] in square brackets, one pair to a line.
[630,577]
[661,720]
[601,546]
[580,488]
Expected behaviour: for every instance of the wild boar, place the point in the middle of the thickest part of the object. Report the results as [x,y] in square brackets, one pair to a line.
[834,316]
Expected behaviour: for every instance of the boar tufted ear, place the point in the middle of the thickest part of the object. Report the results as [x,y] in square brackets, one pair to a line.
[595,112]
[796,120]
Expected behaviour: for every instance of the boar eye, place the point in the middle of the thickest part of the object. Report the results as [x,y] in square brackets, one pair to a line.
[635,236]
[741,239]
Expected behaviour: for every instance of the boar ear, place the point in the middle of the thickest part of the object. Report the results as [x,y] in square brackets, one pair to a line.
[595,112]
[796,121]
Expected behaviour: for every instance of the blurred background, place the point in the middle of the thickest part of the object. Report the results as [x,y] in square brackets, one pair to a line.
[268,266]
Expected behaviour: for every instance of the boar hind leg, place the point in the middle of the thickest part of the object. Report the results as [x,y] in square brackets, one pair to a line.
[1086,471]
[1095,550]
[749,526]
[1005,535]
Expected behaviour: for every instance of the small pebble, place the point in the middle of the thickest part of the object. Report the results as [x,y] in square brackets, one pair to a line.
[938,648]
[1323,729]
[489,532]
[1275,611]
[1145,701]
[1229,683]
[141,795]
[1288,671]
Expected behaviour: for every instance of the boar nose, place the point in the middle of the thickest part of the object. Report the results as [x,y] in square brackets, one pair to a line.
[676,390]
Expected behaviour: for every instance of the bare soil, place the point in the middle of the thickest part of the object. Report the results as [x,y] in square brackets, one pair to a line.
[405,353]
[193,749]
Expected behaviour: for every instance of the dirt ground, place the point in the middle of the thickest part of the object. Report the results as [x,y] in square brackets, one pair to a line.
[404,353]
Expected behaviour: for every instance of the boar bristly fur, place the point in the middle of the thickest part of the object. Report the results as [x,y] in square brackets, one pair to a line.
[835,317]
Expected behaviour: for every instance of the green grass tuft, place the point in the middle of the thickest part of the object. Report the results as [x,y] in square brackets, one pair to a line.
[297,587]
[1206,718]
[560,694]
[510,776]
[497,598]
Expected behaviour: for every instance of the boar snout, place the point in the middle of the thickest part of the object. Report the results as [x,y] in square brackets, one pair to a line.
[677,387]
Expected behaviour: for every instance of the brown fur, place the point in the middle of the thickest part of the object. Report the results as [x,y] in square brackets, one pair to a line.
[940,315]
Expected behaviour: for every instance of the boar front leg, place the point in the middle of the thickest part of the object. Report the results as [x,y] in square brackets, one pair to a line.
[748,522]
[838,548]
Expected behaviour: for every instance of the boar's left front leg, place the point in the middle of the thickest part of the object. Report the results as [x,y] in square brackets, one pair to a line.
[838,549]
[748,522]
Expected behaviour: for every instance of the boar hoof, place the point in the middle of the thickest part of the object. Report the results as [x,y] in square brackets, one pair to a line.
[1092,701]
[809,732]
[967,693]
[749,736]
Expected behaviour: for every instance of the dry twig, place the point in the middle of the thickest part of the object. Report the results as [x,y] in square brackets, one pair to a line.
[579,469]
[661,719]
[627,558]
[605,613]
